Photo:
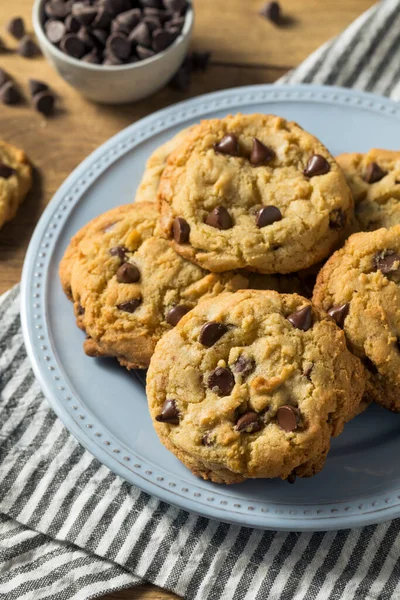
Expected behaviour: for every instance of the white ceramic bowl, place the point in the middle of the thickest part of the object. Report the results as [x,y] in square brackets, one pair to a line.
[120,83]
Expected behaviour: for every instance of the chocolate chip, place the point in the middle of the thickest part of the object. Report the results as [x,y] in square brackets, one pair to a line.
[337,219]
[6,172]
[119,251]
[110,59]
[219,218]
[387,262]
[301,319]
[272,12]
[249,422]
[206,440]
[153,23]
[221,381]
[199,60]
[72,24]
[16,27]
[317,165]
[140,35]
[291,477]
[92,57]
[57,9]
[339,312]
[126,21]
[84,35]
[9,93]
[228,145]
[260,153]
[128,273]
[288,417]
[28,47]
[175,6]
[175,314]
[73,46]
[119,45]
[130,306]
[211,332]
[103,19]
[4,77]
[180,230]
[80,310]
[244,365]
[169,413]
[44,103]
[143,52]
[152,3]
[268,215]
[55,30]
[182,78]
[374,173]
[83,13]
[99,38]
[114,7]
[161,40]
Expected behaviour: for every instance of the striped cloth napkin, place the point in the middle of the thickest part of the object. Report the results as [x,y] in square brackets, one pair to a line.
[71,529]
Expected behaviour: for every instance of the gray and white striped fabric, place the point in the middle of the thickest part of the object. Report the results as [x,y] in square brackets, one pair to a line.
[70,529]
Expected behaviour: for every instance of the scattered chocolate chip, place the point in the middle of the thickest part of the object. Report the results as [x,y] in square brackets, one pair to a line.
[130,306]
[182,78]
[268,215]
[272,12]
[199,60]
[36,86]
[219,218]
[119,251]
[317,165]
[175,6]
[175,314]
[180,230]
[9,93]
[4,77]
[374,173]
[260,153]
[28,47]
[221,381]
[128,273]
[55,30]
[244,365]
[83,13]
[161,40]
[291,477]
[206,440]
[211,332]
[387,262]
[249,422]
[119,46]
[44,103]
[140,35]
[6,172]
[339,313]
[228,145]
[301,319]
[72,45]
[72,24]
[143,53]
[169,413]
[16,27]
[337,219]
[288,417]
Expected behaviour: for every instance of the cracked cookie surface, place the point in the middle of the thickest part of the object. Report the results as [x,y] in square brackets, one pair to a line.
[253,384]
[253,191]
[15,180]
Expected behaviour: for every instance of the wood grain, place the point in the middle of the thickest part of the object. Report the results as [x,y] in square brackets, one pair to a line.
[246,49]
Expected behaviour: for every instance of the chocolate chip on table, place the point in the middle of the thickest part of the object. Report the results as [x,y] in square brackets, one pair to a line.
[130,306]
[169,413]
[180,230]
[119,46]
[268,215]
[6,172]
[140,35]
[4,77]
[337,219]
[229,145]
[182,78]
[161,40]
[387,262]
[128,273]
[211,332]
[260,153]
[55,30]
[119,251]
[221,381]
[244,365]
[339,312]
[288,417]
[28,47]
[271,11]
[317,165]
[199,60]
[143,52]
[291,478]
[374,173]
[9,93]
[301,319]
[16,28]
[249,423]
[175,314]
[72,45]
[219,218]
[44,103]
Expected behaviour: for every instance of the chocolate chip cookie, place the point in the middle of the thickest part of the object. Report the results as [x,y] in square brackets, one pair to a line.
[253,191]
[15,180]
[359,288]
[147,190]
[129,287]
[374,180]
[253,384]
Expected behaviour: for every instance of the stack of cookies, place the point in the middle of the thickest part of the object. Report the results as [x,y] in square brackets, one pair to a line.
[205,279]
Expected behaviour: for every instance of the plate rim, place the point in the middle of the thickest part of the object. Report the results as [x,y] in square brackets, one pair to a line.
[109,152]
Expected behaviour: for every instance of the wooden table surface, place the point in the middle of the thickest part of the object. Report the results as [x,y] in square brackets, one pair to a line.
[246,49]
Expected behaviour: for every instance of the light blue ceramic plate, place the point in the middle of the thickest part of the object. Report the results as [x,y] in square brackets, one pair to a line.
[105,407]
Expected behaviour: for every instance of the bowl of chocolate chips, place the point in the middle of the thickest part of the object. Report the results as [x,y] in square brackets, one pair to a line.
[114,51]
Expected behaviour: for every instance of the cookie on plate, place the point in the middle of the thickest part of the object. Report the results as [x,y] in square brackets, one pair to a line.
[253,384]
[129,287]
[148,187]
[253,191]
[374,180]
[15,180]
[359,288]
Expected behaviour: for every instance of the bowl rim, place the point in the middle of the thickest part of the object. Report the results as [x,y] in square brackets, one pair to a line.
[76,62]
